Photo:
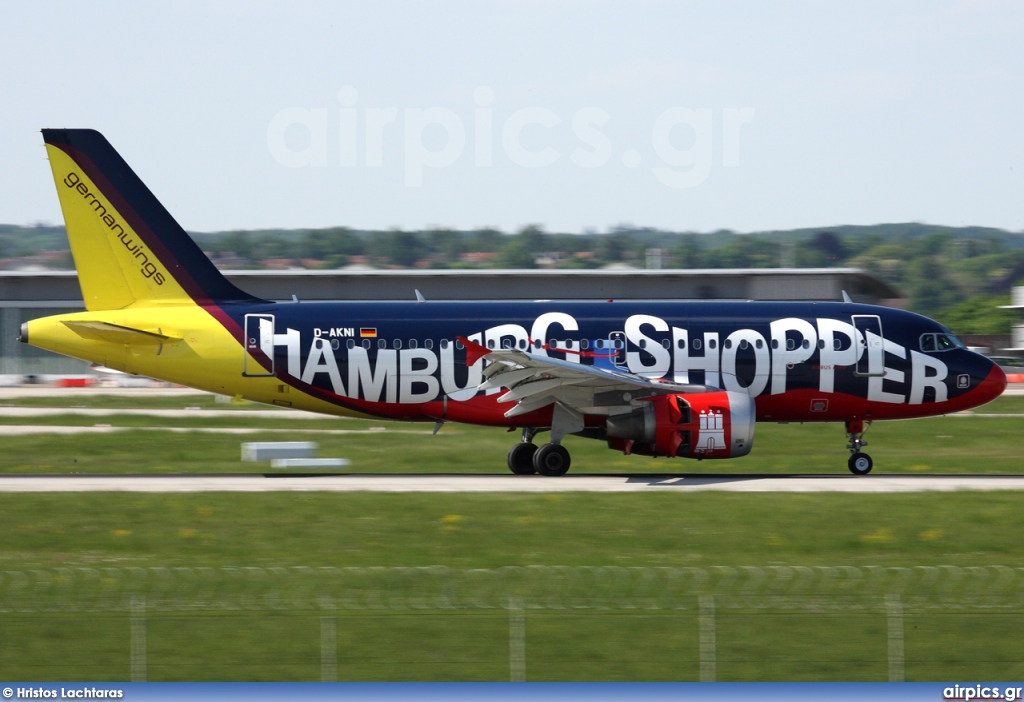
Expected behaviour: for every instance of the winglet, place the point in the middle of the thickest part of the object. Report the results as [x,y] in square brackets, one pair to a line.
[846,297]
[474,351]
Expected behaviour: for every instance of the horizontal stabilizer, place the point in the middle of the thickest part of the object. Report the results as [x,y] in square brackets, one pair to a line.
[114,333]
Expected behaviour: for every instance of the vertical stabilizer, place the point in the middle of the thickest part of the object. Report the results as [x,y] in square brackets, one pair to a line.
[127,248]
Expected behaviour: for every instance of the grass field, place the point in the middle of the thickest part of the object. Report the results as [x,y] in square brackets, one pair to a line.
[985,441]
[48,531]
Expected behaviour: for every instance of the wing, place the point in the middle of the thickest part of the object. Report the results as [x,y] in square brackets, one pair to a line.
[534,381]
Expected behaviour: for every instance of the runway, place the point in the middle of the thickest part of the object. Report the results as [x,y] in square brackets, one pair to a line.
[507,483]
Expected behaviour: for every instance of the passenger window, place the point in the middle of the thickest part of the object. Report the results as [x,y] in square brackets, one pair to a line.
[681,343]
[790,344]
[696,344]
[584,344]
[506,344]
[335,344]
[806,344]
[759,344]
[382,344]
[599,344]
[666,344]
[459,345]
[428,344]
[413,343]
[728,343]
[643,343]
[366,343]
[712,343]
[821,344]
[743,344]
[351,344]
[398,343]
[444,343]
[490,343]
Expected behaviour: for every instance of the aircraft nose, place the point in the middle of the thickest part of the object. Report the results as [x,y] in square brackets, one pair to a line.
[993,385]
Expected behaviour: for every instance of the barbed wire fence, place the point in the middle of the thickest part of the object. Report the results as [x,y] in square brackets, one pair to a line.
[889,591]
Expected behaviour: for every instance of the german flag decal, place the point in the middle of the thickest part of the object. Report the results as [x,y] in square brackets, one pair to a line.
[368,332]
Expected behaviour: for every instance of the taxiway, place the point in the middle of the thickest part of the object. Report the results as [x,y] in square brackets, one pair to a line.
[263,482]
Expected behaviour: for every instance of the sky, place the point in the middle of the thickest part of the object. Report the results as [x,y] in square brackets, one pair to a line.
[575,115]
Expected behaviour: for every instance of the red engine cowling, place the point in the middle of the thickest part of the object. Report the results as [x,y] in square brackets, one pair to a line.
[701,425]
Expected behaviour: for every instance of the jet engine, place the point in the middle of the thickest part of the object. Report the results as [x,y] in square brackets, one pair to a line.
[699,425]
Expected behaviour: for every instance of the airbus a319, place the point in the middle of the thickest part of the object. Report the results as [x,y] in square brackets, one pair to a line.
[686,379]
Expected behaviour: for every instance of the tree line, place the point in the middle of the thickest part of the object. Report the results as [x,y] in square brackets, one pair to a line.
[956,274]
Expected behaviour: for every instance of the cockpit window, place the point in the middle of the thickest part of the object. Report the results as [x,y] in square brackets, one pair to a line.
[940,342]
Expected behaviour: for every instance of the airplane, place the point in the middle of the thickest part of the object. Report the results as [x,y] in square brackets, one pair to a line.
[676,379]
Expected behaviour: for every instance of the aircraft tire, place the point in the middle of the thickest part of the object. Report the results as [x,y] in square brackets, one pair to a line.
[860,464]
[552,460]
[520,459]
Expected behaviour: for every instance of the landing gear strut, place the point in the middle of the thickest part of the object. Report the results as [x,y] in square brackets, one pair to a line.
[860,463]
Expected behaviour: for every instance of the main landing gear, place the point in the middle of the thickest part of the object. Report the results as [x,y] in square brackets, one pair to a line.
[526,458]
[860,463]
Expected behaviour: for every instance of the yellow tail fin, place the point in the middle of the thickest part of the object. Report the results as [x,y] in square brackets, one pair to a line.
[127,248]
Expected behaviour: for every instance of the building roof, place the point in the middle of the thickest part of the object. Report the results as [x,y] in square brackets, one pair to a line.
[51,288]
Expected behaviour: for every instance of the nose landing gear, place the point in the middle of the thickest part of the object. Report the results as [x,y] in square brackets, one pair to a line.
[860,463]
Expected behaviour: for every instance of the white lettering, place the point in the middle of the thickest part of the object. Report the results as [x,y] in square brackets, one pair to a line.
[875,391]
[761,362]
[662,360]
[514,334]
[291,339]
[539,332]
[321,360]
[370,382]
[683,362]
[450,385]
[920,379]
[788,350]
[846,355]
[410,376]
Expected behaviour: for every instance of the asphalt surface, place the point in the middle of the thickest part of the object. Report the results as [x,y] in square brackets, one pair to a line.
[265,482]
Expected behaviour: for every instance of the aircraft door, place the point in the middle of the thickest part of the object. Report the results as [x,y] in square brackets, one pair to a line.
[871,360]
[259,345]
[617,342]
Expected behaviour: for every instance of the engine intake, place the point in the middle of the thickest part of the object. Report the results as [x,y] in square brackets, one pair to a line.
[701,425]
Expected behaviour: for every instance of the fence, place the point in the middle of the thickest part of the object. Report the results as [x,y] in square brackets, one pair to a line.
[867,598]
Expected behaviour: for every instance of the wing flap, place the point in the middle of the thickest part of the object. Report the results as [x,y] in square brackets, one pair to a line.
[534,381]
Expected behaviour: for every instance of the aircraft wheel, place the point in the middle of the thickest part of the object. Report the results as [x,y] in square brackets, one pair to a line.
[520,459]
[860,464]
[551,459]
